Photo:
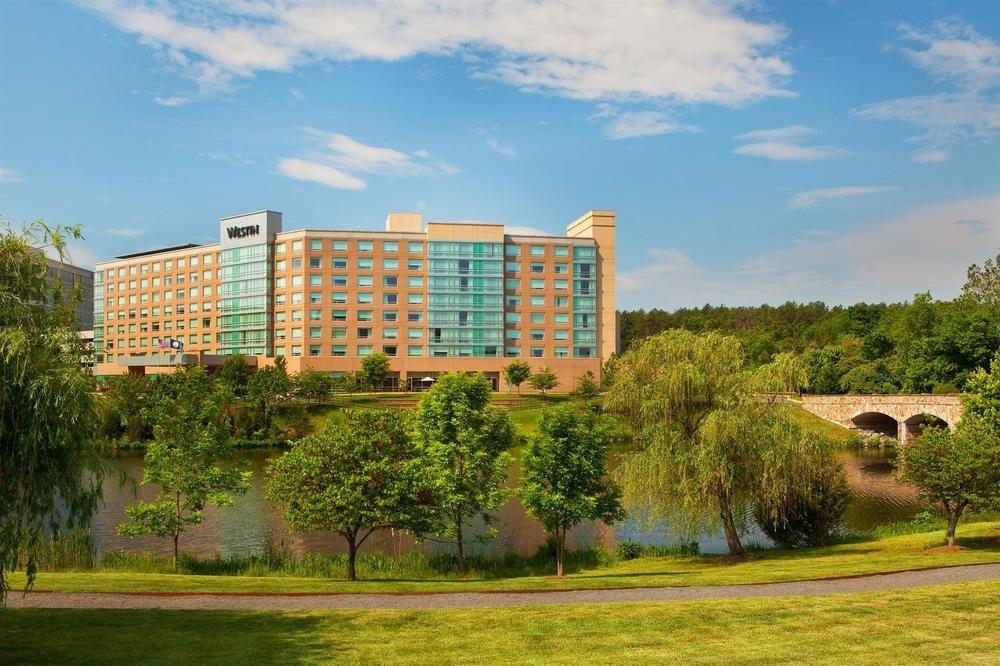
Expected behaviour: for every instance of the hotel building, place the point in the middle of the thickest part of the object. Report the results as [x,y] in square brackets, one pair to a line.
[434,297]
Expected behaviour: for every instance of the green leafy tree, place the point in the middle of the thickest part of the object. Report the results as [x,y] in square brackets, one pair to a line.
[50,474]
[516,373]
[587,387]
[126,408]
[235,374]
[955,470]
[267,393]
[312,385]
[563,477]
[983,283]
[353,479]
[465,442]
[375,370]
[708,443]
[190,438]
[543,380]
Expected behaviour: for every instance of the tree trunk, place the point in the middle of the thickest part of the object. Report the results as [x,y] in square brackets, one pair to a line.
[732,537]
[176,538]
[461,544]
[177,532]
[953,516]
[560,547]
[352,554]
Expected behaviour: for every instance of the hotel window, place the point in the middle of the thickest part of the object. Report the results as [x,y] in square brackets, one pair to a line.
[390,246]
[414,299]
[414,264]
[510,283]
[537,317]
[279,333]
[512,250]
[206,275]
[315,280]
[562,284]
[562,352]
[562,269]
[512,267]
[415,247]
[366,281]
[314,350]
[340,263]
[415,350]
[315,315]
[279,265]
[365,315]
[537,352]
[365,297]
[414,333]
[315,332]
[338,350]
[513,351]
[365,245]
[562,301]
[512,334]
[389,350]
[390,333]
[339,297]
[537,268]
[339,280]
[561,250]
[414,282]
[279,299]
[389,299]
[537,283]
[156,267]
[583,352]
[279,248]
[390,264]
[315,262]
[297,298]
[296,350]
[339,333]
[315,245]
[561,334]
[296,315]
[279,316]
[413,316]
[561,317]
[364,350]
[181,263]
[296,246]
[339,315]
[296,333]
[390,281]
[364,264]
[512,317]
[279,351]
[389,315]
[538,250]
[340,246]
[512,301]
[537,335]
[296,262]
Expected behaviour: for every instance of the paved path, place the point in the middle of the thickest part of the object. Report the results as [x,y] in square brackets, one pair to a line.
[289,602]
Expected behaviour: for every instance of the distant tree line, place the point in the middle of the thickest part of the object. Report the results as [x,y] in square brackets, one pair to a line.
[922,346]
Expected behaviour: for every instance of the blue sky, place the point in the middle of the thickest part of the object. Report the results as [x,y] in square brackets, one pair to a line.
[753,152]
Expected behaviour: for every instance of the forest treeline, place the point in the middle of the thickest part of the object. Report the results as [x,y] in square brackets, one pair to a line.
[921,346]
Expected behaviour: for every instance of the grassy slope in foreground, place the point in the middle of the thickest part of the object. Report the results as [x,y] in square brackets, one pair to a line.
[888,554]
[944,624]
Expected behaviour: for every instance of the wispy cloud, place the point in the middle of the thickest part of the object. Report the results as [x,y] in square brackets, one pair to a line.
[785,144]
[9,176]
[296,96]
[176,100]
[126,232]
[632,124]
[810,198]
[678,52]
[338,161]
[966,64]
[857,263]
[505,149]
[236,159]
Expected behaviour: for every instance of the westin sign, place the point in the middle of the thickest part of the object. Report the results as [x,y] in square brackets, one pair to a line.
[243,232]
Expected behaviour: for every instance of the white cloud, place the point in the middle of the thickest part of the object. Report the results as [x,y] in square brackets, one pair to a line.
[296,95]
[504,149]
[9,176]
[339,161]
[676,52]
[236,159]
[926,248]
[964,62]
[810,198]
[323,174]
[631,124]
[785,144]
[127,232]
[177,100]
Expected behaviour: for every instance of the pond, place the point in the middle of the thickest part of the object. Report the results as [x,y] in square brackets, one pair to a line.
[252,524]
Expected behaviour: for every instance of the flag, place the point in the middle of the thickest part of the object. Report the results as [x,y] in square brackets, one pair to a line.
[177,344]
[165,343]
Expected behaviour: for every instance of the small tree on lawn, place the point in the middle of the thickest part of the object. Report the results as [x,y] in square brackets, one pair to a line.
[465,442]
[354,479]
[312,385]
[564,480]
[955,470]
[587,387]
[375,369]
[516,374]
[543,380]
[190,437]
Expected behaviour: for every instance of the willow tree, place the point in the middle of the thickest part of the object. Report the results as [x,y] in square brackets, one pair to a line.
[709,438]
[50,474]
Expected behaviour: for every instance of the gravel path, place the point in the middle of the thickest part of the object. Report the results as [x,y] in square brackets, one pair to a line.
[288,602]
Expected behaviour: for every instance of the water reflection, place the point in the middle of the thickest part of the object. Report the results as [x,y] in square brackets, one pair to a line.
[253,524]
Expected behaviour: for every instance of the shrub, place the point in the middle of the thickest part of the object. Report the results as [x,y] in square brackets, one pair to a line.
[628,550]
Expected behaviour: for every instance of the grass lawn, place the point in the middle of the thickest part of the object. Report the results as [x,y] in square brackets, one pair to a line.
[888,554]
[945,624]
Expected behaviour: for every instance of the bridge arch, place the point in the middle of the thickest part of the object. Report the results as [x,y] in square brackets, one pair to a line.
[878,424]
[915,425]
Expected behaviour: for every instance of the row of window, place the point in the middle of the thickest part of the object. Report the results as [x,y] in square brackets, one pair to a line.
[167,265]
[316,280]
[340,245]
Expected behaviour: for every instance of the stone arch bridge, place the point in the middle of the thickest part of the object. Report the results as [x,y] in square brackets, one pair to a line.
[902,417]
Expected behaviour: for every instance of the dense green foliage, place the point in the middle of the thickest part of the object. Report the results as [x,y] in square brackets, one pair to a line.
[920,346]
[516,373]
[190,438]
[465,442]
[374,370]
[543,380]
[564,478]
[49,473]
[354,479]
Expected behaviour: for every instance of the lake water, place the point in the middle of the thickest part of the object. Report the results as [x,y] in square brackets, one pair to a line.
[252,523]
